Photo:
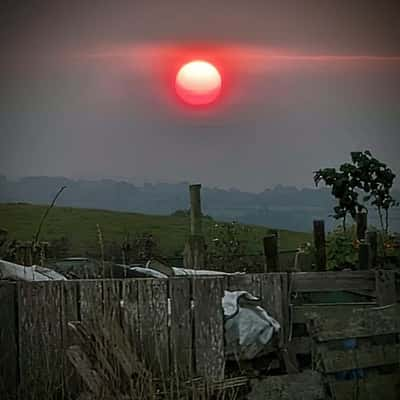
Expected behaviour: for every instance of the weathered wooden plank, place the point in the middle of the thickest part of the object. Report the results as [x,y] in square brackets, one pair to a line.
[358,323]
[40,339]
[91,300]
[70,308]
[109,354]
[365,357]
[181,354]
[304,386]
[153,317]
[302,314]
[249,282]
[373,387]
[209,327]
[225,282]
[130,313]
[82,364]
[111,301]
[70,312]
[90,310]
[274,300]
[385,287]
[8,341]
[288,355]
[333,281]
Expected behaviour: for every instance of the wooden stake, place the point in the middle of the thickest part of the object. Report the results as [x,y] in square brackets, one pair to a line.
[364,258]
[271,253]
[194,252]
[195,210]
[319,243]
[372,239]
[362,223]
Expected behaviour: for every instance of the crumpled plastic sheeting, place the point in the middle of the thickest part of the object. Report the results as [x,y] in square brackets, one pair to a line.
[201,272]
[17,272]
[151,273]
[248,327]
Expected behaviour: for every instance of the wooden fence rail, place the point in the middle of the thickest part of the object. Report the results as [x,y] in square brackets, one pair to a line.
[175,324]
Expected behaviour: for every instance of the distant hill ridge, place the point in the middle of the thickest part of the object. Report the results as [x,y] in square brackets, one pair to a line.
[285,207]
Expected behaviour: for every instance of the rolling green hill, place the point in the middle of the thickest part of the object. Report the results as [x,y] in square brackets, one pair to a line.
[78,225]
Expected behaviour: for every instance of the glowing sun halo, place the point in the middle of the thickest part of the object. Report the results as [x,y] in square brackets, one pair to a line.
[198,83]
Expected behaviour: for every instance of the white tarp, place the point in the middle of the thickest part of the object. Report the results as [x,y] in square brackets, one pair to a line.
[248,327]
[191,272]
[12,271]
[151,273]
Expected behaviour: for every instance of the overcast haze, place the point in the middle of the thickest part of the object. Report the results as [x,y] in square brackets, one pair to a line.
[83,92]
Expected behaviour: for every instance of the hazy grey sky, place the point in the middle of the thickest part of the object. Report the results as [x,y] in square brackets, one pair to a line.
[84,89]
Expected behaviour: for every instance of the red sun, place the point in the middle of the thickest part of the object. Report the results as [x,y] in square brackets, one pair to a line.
[198,83]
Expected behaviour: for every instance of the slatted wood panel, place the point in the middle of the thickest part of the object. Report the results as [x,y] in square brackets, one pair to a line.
[385,387]
[354,281]
[365,357]
[40,339]
[363,363]
[153,322]
[360,323]
[209,327]
[141,307]
[181,328]
[302,314]
[323,294]
[8,341]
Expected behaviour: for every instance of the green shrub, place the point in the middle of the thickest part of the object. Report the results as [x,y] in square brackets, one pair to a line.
[341,250]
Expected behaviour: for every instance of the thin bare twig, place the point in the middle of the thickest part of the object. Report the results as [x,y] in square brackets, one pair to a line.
[47,212]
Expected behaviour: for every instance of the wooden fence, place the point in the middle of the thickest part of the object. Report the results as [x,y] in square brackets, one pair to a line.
[175,324]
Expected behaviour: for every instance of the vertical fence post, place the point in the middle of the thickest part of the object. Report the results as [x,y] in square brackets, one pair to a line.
[319,243]
[362,223]
[364,257]
[194,252]
[195,209]
[372,239]
[271,253]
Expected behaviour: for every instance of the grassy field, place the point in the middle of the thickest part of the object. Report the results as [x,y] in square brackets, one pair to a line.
[79,226]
